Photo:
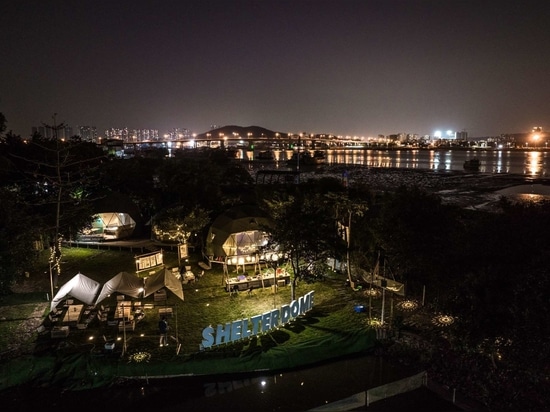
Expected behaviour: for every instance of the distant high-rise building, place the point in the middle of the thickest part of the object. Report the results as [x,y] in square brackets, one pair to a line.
[49,132]
[115,133]
[132,135]
[87,133]
[43,131]
[463,135]
[178,133]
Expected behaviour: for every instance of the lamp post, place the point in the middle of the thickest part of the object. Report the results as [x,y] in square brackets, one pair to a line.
[51,282]
[123,331]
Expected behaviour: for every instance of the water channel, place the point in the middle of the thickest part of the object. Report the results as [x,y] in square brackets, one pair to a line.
[299,390]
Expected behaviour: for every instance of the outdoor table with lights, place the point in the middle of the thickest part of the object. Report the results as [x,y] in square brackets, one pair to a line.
[123,309]
[72,315]
[243,282]
[188,276]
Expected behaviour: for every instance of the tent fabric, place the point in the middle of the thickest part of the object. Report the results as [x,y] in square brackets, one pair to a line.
[238,231]
[113,225]
[116,202]
[163,278]
[79,287]
[125,283]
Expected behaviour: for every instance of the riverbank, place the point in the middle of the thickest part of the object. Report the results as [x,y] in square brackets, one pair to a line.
[468,190]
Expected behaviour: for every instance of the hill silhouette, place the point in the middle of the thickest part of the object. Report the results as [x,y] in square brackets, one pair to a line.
[256,131]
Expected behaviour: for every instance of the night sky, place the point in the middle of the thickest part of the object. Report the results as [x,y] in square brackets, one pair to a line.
[345,67]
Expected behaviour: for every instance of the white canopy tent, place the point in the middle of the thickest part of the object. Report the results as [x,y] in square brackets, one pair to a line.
[163,278]
[124,283]
[79,287]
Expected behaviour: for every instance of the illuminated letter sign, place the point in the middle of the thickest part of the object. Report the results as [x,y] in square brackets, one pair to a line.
[239,329]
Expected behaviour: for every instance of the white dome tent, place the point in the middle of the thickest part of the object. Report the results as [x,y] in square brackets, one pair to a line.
[236,236]
[116,217]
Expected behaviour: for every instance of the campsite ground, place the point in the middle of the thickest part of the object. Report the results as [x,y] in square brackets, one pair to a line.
[206,302]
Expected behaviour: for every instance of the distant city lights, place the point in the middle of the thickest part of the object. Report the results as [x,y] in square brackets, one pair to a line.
[449,134]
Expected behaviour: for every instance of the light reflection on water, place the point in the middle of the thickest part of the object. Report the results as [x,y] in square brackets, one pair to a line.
[531,163]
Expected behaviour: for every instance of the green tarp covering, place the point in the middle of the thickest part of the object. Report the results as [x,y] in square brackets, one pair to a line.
[84,370]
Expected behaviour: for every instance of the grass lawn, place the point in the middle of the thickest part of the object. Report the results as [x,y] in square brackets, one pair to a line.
[206,302]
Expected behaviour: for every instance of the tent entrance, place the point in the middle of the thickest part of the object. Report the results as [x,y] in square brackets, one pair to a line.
[244,243]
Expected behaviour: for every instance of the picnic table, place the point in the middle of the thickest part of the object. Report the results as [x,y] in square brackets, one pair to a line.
[123,309]
[72,315]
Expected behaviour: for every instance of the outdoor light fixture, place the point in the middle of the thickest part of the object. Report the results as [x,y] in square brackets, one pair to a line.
[372,292]
[140,357]
[407,305]
[443,320]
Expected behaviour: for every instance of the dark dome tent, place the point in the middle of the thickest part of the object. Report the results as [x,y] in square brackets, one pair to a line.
[239,232]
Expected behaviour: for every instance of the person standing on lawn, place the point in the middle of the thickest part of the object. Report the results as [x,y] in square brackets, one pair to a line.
[163,331]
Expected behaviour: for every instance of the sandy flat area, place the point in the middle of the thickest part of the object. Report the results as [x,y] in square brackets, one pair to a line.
[470,190]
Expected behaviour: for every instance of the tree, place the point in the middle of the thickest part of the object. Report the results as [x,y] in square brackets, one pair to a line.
[137,178]
[56,180]
[304,230]
[345,210]
[500,300]
[2,124]
[418,235]
[181,223]
[19,236]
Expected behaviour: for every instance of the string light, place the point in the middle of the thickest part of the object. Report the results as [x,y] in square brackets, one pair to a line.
[55,257]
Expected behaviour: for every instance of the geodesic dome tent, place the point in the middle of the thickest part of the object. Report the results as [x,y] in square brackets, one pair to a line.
[239,231]
[117,217]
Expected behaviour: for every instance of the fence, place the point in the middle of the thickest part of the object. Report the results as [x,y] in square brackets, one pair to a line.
[364,399]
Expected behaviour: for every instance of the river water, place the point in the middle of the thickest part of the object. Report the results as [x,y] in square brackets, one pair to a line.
[531,163]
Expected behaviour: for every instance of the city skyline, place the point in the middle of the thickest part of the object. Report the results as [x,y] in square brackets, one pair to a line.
[357,68]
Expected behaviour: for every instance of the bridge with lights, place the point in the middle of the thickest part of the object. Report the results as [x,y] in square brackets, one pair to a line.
[278,141]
